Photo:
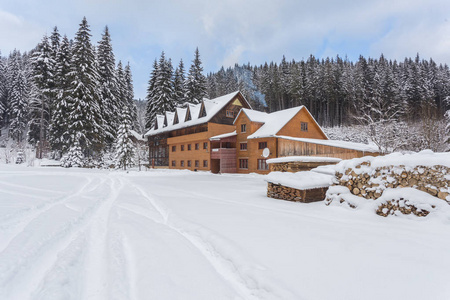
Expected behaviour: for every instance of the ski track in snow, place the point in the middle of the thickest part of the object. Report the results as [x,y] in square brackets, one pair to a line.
[240,276]
[32,265]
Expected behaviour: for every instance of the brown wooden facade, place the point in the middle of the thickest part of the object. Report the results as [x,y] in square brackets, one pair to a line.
[196,148]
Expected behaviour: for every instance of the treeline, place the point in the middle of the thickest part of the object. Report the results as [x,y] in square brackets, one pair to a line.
[66,94]
[337,91]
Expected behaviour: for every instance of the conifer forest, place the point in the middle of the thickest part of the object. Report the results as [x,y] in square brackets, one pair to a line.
[70,98]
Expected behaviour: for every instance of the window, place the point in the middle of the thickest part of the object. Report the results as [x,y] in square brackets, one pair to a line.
[174,148]
[189,163]
[262,164]
[205,145]
[262,145]
[304,126]
[182,147]
[197,146]
[174,163]
[205,164]
[230,114]
[243,163]
[243,127]
[189,147]
[243,146]
[197,163]
[182,163]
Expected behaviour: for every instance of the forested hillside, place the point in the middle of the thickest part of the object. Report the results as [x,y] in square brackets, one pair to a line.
[67,96]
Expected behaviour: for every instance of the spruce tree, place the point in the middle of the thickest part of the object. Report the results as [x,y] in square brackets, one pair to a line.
[130,98]
[160,97]
[42,95]
[179,89]
[124,153]
[19,107]
[84,115]
[59,126]
[151,107]
[109,87]
[3,93]
[195,81]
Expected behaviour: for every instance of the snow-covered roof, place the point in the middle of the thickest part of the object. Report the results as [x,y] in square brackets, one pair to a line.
[169,117]
[212,107]
[222,136]
[303,159]
[253,115]
[304,180]
[333,143]
[181,113]
[137,136]
[160,120]
[273,122]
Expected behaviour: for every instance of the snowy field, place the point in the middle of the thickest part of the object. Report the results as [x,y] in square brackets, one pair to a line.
[88,234]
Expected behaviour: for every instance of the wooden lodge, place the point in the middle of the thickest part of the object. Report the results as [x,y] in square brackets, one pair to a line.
[224,135]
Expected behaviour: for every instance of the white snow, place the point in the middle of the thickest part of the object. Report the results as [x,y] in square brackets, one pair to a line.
[303,159]
[426,158]
[222,136]
[301,180]
[334,143]
[274,122]
[165,234]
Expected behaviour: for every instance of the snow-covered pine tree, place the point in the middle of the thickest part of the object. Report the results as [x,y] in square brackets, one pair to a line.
[75,156]
[124,154]
[151,108]
[195,81]
[160,97]
[2,91]
[19,107]
[55,39]
[84,115]
[109,84]
[41,100]
[164,96]
[59,125]
[130,98]
[179,89]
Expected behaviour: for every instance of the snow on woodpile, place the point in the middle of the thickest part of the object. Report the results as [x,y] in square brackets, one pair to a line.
[416,183]
[300,180]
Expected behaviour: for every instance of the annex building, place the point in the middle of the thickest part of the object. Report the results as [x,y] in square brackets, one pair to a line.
[225,135]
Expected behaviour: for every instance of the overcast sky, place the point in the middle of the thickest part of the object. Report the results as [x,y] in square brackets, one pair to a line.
[237,31]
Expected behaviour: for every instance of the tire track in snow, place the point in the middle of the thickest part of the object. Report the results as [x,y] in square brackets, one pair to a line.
[231,266]
[29,267]
[32,212]
[97,283]
[17,222]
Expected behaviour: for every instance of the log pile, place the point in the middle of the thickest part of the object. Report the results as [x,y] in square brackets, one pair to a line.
[278,191]
[433,180]
[370,183]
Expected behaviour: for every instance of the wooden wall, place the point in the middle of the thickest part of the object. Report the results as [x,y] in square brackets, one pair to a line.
[292,128]
[193,155]
[297,148]
[252,153]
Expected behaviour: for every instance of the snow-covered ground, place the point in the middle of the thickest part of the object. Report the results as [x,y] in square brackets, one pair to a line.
[89,234]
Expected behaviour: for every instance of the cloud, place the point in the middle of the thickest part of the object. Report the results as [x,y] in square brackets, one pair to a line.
[16,33]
